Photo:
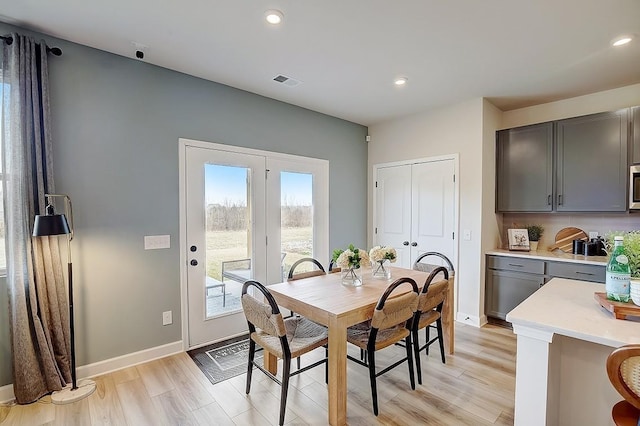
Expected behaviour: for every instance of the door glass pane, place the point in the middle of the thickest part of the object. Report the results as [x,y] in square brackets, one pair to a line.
[296,220]
[228,236]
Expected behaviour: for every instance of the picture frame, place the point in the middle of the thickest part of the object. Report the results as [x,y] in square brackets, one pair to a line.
[518,239]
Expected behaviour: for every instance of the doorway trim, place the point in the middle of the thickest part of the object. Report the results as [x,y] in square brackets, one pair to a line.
[183,143]
[456,204]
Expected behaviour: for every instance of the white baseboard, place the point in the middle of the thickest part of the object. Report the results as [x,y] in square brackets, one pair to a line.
[110,365]
[469,319]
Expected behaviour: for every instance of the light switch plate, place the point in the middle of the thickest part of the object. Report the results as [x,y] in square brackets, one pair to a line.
[167,318]
[593,234]
[153,242]
[466,234]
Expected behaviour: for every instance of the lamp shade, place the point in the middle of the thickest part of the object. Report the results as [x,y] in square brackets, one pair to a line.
[50,224]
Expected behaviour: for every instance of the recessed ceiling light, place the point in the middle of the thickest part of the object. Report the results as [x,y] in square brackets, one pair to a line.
[273,17]
[400,81]
[622,40]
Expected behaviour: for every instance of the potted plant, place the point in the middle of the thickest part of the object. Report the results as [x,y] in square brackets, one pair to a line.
[535,232]
[631,245]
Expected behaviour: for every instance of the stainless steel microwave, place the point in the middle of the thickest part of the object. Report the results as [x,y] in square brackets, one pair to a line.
[634,188]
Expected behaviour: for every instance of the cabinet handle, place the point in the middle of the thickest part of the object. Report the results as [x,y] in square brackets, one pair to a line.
[514,264]
[405,243]
[583,273]
[559,199]
[414,244]
[549,199]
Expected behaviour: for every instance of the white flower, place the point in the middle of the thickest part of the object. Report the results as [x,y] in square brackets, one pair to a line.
[379,253]
[349,258]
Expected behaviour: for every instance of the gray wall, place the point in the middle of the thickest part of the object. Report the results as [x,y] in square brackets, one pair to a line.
[116,124]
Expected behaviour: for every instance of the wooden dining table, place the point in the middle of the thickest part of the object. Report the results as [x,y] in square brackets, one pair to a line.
[325,300]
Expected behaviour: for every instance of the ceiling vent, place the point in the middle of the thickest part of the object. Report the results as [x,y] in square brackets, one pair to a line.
[287,81]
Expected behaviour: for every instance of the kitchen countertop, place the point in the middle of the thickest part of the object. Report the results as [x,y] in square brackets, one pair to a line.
[556,256]
[567,307]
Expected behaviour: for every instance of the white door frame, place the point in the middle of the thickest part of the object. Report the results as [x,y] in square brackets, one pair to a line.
[456,197]
[322,210]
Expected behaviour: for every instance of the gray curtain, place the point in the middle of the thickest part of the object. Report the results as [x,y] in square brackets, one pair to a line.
[38,308]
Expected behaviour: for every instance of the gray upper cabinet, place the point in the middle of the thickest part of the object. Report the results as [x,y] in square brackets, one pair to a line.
[524,175]
[635,134]
[591,163]
[573,165]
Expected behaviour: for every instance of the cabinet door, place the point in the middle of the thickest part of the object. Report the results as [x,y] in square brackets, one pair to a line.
[591,163]
[635,132]
[524,180]
[506,290]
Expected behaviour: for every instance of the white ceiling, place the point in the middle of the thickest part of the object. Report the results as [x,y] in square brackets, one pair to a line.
[347,53]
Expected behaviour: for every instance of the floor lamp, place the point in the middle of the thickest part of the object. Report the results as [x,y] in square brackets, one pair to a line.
[56,224]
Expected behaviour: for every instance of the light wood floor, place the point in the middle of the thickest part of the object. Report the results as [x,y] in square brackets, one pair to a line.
[475,387]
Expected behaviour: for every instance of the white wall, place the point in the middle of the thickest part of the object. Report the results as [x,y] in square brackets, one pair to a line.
[451,130]
[608,100]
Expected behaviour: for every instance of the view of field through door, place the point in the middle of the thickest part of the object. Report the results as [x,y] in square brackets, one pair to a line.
[229,197]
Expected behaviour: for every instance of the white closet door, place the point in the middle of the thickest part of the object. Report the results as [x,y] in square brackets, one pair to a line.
[393,211]
[433,208]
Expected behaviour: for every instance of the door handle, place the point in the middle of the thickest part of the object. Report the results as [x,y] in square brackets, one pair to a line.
[405,243]
[414,244]
[193,248]
[194,262]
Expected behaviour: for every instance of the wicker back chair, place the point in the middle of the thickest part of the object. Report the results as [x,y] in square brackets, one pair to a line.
[390,324]
[285,338]
[318,269]
[430,305]
[623,368]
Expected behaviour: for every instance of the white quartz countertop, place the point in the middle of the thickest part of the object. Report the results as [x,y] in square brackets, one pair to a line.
[556,255]
[567,307]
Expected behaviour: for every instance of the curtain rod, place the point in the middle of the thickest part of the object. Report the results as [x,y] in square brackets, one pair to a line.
[56,51]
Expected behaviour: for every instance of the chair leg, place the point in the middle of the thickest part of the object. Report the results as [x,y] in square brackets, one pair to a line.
[407,343]
[286,370]
[372,378]
[416,353]
[252,352]
[326,365]
[298,359]
[426,330]
[440,339]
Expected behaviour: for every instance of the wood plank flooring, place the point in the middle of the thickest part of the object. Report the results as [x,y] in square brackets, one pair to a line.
[475,387]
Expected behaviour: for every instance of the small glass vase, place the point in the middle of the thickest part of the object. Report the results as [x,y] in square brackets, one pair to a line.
[381,270]
[352,276]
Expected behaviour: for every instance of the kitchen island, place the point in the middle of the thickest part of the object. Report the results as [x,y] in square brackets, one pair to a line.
[564,338]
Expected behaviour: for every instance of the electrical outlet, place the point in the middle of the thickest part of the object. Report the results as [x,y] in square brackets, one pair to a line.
[167,318]
[593,234]
[466,234]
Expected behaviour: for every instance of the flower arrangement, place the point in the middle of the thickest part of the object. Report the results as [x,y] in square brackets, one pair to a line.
[351,258]
[380,253]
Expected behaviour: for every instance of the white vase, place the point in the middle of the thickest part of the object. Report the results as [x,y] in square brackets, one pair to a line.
[352,276]
[533,245]
[380,269]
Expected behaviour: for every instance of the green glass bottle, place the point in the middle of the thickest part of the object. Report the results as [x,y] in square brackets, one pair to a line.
[618,273]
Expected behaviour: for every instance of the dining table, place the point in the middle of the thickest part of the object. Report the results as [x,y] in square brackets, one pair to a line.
[325,300]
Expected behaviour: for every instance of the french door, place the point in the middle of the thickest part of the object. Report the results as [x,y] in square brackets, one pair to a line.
[248,214]
[415,209]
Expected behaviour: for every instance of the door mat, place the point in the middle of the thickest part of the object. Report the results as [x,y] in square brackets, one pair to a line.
[223,360]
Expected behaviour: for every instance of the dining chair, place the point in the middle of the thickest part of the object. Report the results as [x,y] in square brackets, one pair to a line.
[318,270]
[285,338]
[430,303]
[391,323]
[623,368]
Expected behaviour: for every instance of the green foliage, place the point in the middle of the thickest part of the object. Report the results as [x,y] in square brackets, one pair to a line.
[336,254]
[535,232]
[631,245]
